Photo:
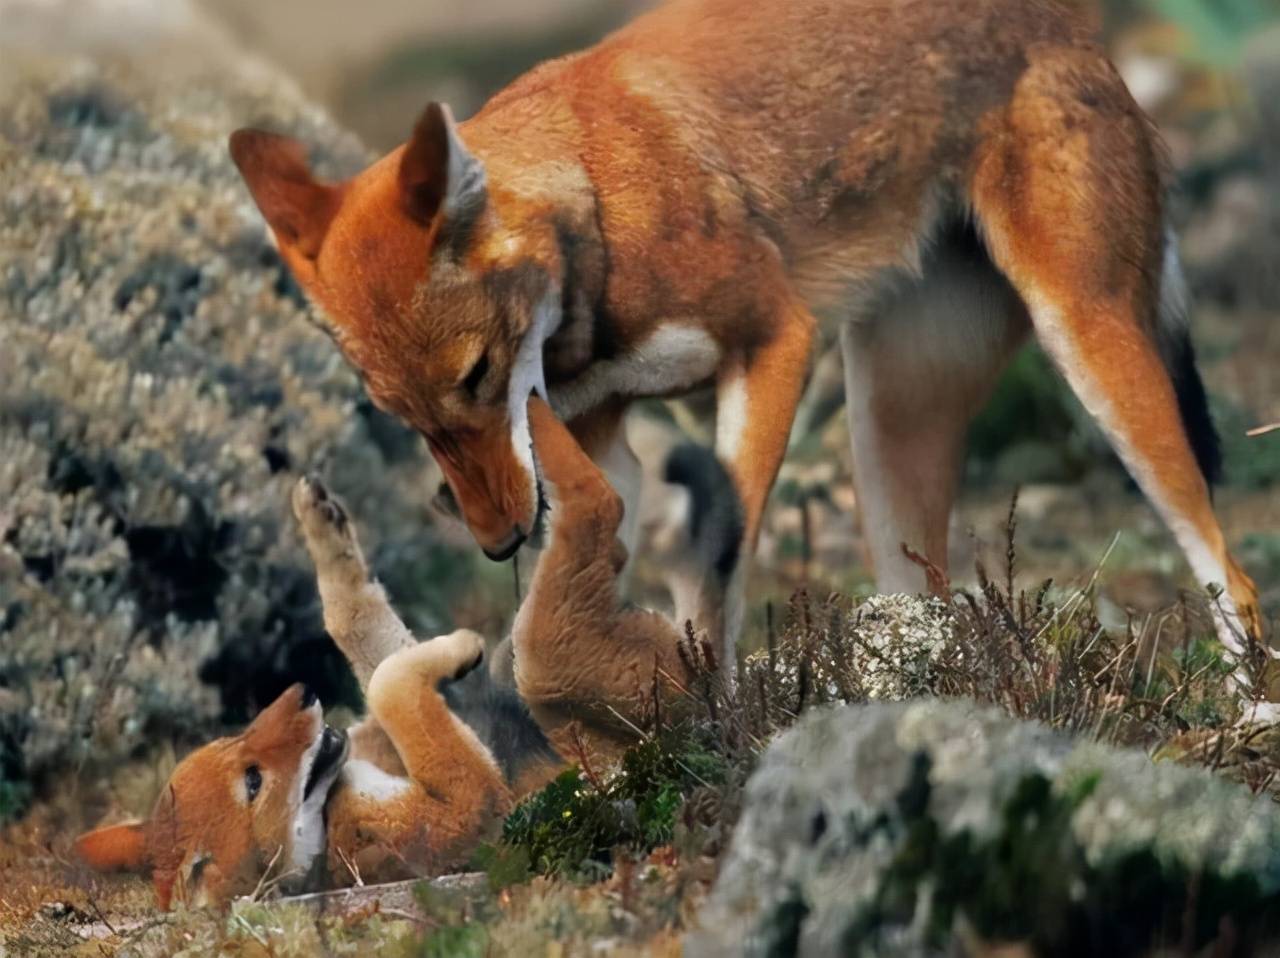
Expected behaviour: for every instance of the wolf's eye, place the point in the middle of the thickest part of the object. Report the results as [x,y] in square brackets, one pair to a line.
[474,378]
[252,781]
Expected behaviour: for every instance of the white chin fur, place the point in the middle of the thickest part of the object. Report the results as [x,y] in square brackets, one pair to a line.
[528,377]
[307,836]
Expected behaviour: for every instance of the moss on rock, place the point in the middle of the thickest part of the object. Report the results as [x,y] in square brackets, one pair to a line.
[914,828]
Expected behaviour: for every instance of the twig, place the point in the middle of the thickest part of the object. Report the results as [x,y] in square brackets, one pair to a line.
[267,883]
[1080,593]
[101,917]
[240,920]
[350,866]
[1263,430]
[935,577]
[584,761]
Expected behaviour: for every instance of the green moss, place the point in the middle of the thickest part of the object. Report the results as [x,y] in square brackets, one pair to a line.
[1030,881]
[573,826]
[503,865]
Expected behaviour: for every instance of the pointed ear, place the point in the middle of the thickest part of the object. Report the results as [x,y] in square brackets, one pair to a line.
[438,174]
[115,847]
[295,205]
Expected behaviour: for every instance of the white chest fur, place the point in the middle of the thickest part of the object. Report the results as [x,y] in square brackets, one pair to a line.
[676,357]
[369,781]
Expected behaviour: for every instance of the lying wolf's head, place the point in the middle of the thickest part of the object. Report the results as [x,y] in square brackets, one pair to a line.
[442,306]
[235,809]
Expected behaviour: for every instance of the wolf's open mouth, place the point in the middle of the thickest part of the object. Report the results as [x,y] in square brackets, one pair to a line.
[333,749]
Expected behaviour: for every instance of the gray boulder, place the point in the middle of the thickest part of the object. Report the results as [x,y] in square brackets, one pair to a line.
[935,827]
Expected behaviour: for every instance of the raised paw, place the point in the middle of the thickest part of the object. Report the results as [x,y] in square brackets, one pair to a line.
[445,657]
[329,534]
[460,653]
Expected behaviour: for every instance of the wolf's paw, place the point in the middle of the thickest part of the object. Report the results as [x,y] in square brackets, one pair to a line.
[329,533]
[460,652]
[445,657]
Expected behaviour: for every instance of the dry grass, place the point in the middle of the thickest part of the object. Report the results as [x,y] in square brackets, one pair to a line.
[1037,653]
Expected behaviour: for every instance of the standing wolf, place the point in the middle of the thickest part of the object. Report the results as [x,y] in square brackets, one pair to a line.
[683,204]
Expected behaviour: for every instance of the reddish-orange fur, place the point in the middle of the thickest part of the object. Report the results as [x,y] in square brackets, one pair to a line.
[197,831]
[745,171]
[419,789]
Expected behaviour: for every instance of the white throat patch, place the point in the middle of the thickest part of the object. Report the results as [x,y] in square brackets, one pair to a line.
[528,376]
[307,838]
[366,779]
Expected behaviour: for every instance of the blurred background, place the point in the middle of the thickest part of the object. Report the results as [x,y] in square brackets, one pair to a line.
[160,386]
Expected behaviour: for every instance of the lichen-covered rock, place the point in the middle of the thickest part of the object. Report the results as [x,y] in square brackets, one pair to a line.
[886,648]
[159,387]
[927,827]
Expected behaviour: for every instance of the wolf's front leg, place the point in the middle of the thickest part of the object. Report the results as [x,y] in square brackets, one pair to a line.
[757,394]
[356,611]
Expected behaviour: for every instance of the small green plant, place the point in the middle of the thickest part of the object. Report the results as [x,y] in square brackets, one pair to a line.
[574,825]
[456,941]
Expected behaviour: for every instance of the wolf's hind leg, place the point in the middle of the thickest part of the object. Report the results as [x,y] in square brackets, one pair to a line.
[356,611]
[917,369]
[1067,190]
[458,778]
[582,656]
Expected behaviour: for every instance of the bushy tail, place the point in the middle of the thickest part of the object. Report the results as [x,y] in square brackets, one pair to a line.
[1179,356]
[715,512]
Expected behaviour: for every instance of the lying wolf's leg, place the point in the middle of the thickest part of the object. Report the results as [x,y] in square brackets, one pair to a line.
[356,611]
[458,788]
[580,655]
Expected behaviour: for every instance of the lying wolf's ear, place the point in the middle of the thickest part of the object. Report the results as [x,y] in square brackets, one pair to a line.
[115,847]
[295,205]
[438,174]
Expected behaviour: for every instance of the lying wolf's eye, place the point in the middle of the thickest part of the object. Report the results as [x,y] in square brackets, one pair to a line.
[252,781]
[474,378]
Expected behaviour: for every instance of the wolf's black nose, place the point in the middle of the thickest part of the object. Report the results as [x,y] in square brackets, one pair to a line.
[309,697]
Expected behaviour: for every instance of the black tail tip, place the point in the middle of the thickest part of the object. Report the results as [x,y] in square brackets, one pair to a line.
[1193,405]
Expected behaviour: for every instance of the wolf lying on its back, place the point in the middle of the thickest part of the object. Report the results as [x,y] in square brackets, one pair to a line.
[413,788]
